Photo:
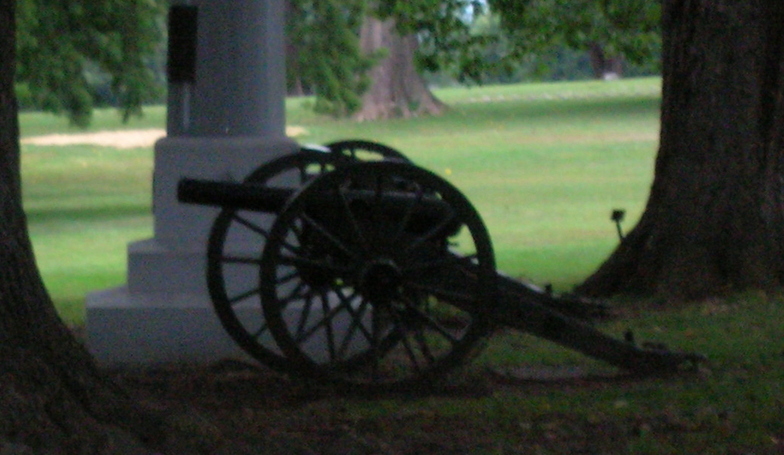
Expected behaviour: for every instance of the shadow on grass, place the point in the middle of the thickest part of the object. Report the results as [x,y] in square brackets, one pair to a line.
[75,214]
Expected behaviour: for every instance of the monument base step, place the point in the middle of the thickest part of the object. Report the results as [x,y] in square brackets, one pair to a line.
[155,328]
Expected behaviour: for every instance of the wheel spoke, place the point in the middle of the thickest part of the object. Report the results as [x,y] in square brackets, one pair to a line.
[288,277]
[424,348]
[378,198]
[414,331]
[356,322]
[430,322]
[330,333]
[328,235]
[352,221]
[290,247]
[375,349]
[304,315]
[250,225]
[328,314]
[301,261]
[433,232]
[406,218]
[258,333]
[410,352]
[242,296]
[325,268]
[294,294]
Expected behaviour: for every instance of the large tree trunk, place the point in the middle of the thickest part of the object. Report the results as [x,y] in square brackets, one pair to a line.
[397,89]
[51,393]
[714,221]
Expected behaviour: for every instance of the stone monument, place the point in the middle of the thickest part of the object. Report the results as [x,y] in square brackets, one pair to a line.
[225,118]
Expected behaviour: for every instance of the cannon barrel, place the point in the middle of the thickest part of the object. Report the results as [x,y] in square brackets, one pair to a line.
[245,196]
[422,211]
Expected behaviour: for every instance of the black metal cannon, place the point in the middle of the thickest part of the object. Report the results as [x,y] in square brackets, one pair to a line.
[375,273]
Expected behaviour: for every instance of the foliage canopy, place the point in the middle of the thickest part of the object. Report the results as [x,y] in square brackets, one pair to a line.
[325,56]
[62,45]
[626,28]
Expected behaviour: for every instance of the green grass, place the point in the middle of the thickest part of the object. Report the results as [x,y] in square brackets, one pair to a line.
[84,204]
[36,123]
[544,164]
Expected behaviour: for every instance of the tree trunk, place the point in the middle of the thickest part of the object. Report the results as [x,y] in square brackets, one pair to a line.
[52,395]
[604,66]
[714,220]
[294,85]
[397,89]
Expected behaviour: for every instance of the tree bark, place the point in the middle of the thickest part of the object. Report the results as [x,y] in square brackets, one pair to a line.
[52,395]
[714,221]
[397,89]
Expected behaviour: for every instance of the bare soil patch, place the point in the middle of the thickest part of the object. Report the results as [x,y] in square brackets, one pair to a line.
[123,139]
[116,139]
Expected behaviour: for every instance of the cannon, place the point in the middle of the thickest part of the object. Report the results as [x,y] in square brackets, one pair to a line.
[350,264]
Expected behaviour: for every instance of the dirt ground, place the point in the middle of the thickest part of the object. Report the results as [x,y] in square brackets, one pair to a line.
[116,139]
[237,408]
[122,138]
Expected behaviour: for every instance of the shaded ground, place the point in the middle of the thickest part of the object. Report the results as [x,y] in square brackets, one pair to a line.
[236,408]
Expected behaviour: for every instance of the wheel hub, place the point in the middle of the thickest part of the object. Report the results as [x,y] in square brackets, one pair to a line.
[380,280]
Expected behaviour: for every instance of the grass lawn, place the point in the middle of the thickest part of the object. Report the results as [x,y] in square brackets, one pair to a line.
[545,164]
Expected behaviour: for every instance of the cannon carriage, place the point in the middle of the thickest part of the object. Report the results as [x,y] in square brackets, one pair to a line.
[356,267]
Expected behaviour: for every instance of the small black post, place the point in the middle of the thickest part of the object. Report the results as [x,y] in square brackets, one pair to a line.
[617,216]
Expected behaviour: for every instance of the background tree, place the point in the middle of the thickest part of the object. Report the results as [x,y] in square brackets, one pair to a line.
[62,44]
[610,31]
[419,36]
[324,54]
[714,221]
[397,88]
[335,44]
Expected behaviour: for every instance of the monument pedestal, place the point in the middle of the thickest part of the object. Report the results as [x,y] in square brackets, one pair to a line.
[163,313]
[225,118]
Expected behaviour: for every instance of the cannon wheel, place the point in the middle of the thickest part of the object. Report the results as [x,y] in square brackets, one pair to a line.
[232,276]
[359,150]
[383,317]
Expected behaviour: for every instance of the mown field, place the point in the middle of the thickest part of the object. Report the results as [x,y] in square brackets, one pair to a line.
[545,164]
